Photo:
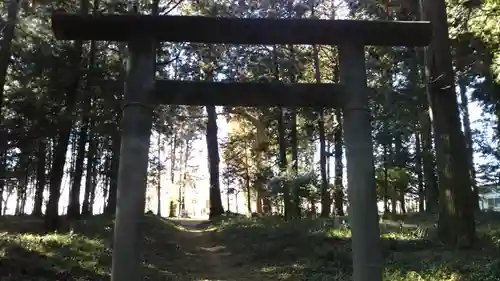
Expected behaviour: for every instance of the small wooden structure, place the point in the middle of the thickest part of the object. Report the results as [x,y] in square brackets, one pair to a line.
[142,92]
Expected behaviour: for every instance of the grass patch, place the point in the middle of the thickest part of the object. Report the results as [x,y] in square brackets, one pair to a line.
[268,247]
[27,254]
[315,249]
[82,251]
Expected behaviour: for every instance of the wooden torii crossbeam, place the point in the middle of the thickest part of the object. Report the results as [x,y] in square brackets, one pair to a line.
[141,89]
[265,31]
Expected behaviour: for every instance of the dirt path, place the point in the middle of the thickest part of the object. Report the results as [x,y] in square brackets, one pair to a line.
[209,261]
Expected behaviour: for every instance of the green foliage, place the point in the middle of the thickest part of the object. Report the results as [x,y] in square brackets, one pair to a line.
[397,181]
[303,184]
[484,24]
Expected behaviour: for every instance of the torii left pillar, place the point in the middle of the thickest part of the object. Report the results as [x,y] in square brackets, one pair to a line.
[134,150]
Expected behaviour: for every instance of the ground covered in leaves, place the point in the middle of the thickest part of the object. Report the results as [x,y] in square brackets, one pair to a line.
[239,248]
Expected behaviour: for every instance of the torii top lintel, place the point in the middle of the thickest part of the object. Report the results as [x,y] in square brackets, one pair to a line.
[200,29]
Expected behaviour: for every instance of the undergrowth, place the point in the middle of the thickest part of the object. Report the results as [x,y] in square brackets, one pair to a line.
[81,251]
[309,250]
[316,249]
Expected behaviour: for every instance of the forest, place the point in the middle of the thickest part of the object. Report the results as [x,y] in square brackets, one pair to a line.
[274,181]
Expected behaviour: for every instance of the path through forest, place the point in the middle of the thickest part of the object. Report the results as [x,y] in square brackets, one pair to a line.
[206,260]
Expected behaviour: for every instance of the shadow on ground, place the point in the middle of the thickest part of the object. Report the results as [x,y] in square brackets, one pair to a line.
[313,249]
[237,249]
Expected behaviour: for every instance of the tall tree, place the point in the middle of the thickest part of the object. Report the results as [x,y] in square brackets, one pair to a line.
[216,208]
[64,131]
[5,54]
[456,213]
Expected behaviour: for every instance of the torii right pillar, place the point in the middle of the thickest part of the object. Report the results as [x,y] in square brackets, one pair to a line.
[360,165]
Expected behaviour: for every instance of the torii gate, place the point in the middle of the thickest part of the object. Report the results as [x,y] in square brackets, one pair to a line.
[142,92]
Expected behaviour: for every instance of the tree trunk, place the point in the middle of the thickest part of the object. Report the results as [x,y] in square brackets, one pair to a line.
[415,78]
[105,172]
[173,147]
[74,193]
[392,187]
[180,195]
[456,213]
[17,210]
[2,187]
[228,195]
[113,182]
[386,177]
[338,138]
[328,154]
[469,145]
[402,205]
[247,181]
[94,181]
[41,154]
[429,164]
[25,193]
[74,197]
[86,206]
[73,146]
[216,208]
[418,171]
[22,188]
[236,202]
[394,200]
[400,163]
[6,201]
[325,193]
[184,174]
[293,138]
[158,187]
[283,163]
[258,203]
[5,54]
[56,174]
[281,141]
[295,160]
[65,124]
[339,165]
